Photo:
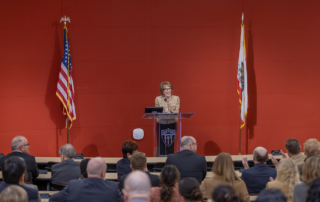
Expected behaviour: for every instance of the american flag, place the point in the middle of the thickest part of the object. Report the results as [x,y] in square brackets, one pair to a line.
[65,88]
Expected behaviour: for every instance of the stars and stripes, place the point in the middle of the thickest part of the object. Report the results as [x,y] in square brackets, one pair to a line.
[65,87]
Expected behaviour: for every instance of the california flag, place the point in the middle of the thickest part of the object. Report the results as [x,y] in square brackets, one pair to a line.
[242,79]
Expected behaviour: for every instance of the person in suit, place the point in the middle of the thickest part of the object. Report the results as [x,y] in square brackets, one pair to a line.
[259,175]
[20,147]
[93,188]
[287,178]
[137,187]
[187,161]
[123,165]
[170,104]
[68,169]
[13,171]
[138,161]
[224,173]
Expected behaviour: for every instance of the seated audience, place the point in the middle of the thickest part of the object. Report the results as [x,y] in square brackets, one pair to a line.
[169,179]
[93,188]
[123,165]
[137,187]
[83,168]
[13,193]
[68,169]
[310,171]
[138,161]
[20,147]
[287,178]
[271,195]
[224,174]
[314,191]
[257,176]
[293,148]
[189,190]
[224,193]
[311,148]
[13,169]
[187,161]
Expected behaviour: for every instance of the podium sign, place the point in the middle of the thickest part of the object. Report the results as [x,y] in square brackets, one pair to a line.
[166,118]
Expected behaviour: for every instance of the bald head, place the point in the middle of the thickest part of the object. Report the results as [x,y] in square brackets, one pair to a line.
[260,154]
[137,185]
[96,168]
[20,143]
[188,143]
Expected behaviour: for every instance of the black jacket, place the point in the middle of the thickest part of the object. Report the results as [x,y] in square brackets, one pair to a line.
[153,178]
[189,164]
[32,167]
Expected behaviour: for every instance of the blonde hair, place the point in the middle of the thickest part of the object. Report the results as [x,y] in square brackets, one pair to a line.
[167,83]
[288,173]
[223,166]
[311,147]
[14,193]
[311,169]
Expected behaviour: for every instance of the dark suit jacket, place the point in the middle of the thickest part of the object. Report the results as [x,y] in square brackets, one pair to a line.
[123,167]
[90,189]
[189,164]
[32,193]
[153,178]
[65,171]
[257,177]
[32,167]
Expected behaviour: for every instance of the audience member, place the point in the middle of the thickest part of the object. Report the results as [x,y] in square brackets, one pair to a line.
[310,171]
[137,187]
[224,193]
[138,161]
[68,169]
[314,191]
[169,179]
[20,147]
[189,190]
[93,188]
[293,148]
[257,176]
[13,171]
[271,195]
[287,178]
[83,168]
[123,165]
[224,174]
[187,161]
[311,148]
[13,193]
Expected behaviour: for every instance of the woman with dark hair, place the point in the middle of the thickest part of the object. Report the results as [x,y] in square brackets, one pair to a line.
[83,168]
[170,104]
[223,169]
[310,171]
[314,191]
[189,190]
[271,195]
[168,190]
[224,193]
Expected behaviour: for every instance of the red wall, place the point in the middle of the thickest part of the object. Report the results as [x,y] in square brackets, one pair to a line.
[123,49]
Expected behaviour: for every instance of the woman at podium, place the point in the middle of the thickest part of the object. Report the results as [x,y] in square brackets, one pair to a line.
[166,129]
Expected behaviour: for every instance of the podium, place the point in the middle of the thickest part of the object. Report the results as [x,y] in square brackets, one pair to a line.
[166,118]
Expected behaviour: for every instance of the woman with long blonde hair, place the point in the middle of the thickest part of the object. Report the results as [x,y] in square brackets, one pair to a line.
[224,174]
[287,178]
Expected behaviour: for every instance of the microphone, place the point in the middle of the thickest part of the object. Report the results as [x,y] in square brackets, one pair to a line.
[165,99]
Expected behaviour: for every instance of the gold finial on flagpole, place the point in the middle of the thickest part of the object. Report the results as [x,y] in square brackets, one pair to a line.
[242,18]
[65,19]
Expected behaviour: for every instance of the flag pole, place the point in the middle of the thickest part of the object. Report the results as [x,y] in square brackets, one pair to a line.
[67,129]
[240,109]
